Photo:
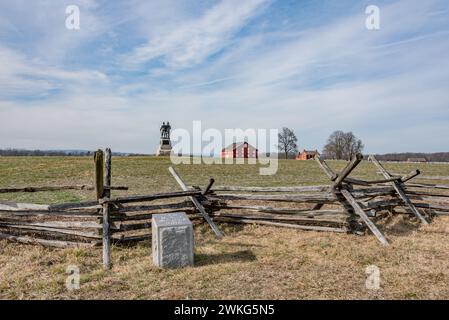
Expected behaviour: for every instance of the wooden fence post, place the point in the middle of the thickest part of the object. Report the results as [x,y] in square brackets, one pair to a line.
[347,196]
[107,174]
[364,217]
[399,190]
[347,170]
[209,186]
[99,169]
[107,263]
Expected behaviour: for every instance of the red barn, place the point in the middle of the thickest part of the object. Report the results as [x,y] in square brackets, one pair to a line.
[239,150]
[307,154]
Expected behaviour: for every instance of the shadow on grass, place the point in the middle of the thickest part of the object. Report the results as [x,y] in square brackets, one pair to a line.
[202,259]
[230,227]
[234,244]
[400,225]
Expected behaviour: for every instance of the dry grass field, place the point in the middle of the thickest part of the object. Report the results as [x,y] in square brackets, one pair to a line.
[251,262]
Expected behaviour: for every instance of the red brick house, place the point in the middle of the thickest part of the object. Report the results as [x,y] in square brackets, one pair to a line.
[307,155]
[239,150]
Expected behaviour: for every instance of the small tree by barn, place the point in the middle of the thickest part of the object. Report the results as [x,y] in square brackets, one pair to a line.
[342,145]
[287,142]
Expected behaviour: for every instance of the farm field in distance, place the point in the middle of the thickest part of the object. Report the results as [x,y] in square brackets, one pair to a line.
[251,262]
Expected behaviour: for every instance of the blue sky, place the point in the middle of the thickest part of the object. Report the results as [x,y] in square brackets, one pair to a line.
[308,65]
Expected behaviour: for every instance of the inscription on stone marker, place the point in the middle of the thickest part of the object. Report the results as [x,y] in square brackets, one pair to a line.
[173,243]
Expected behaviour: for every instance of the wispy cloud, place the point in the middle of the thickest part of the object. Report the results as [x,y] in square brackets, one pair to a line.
[193,41]
[21,77]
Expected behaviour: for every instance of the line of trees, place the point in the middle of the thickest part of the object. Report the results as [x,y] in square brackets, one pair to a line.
[340,145]
[42,153]
[345,145]
[55,153]
[405,156]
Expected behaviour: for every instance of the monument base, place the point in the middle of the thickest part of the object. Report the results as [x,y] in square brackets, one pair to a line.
[164,147]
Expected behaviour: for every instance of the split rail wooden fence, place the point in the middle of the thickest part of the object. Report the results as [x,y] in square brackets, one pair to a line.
[346,204]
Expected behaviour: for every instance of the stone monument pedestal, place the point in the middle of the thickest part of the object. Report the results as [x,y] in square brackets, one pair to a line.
[172,240]
[164,147]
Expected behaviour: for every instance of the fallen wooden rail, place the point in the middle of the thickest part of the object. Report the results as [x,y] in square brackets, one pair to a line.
[152,197]
[56,188]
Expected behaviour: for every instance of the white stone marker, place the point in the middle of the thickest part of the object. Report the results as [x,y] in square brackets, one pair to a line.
[172,235]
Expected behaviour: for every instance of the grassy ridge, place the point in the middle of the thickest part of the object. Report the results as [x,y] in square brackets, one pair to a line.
[150,174]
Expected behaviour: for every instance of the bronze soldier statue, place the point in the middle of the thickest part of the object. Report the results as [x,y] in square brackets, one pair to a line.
[165,130]
[165,144]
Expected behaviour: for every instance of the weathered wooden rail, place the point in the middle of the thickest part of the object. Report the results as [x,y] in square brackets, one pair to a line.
[347,204]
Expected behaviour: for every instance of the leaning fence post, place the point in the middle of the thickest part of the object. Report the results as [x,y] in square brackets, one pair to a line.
[399,190]
[197,204]
[347,170]
[347,196]
[106,211]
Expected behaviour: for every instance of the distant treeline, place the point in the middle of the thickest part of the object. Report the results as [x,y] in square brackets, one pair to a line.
[60,153]
[431,157]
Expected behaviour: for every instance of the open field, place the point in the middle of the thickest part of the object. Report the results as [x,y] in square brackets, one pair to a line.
[252,262]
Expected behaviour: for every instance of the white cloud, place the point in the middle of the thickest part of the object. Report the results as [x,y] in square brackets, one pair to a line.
[21,77]
[191,42]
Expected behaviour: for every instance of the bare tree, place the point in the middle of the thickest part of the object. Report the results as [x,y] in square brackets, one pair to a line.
[342,145]
[287,142]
